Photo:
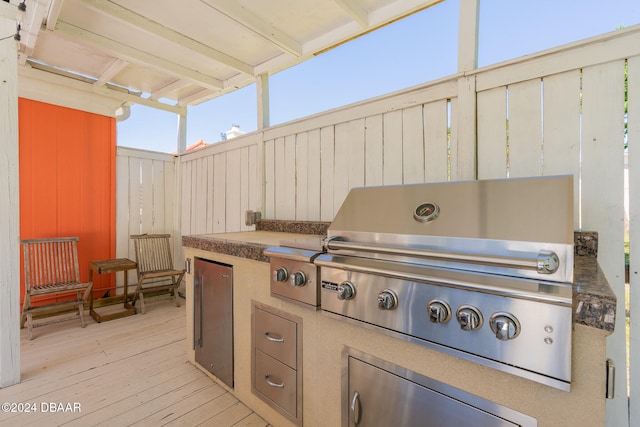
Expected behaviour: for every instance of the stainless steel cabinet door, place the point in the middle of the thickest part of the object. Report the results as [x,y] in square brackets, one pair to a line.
[380,398]
[213,318]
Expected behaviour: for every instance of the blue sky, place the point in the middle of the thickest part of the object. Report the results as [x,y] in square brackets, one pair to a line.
[417,49]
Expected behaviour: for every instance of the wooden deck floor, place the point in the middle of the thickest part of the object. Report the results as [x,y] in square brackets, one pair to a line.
[129,371]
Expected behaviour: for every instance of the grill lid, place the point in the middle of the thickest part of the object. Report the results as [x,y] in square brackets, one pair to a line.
[516,227]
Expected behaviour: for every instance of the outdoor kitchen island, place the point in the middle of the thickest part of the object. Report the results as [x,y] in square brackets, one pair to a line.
[323,341]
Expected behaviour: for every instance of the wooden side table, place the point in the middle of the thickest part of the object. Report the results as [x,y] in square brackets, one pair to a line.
[112,266]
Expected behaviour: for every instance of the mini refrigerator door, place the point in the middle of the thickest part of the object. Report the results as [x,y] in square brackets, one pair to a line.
[213,318]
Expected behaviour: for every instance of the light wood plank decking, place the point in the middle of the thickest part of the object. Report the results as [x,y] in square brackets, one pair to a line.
[128,371]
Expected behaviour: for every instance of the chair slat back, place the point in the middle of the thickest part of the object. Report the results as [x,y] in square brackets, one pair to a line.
[50,261]
[153,252]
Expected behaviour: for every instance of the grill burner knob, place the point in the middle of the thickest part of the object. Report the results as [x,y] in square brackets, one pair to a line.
[469,317]
[505,326]
[280,275]
[346,290]
[439,311]
[387,300]
[298,279]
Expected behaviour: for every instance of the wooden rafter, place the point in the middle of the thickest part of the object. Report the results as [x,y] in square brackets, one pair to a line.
[113,69]
[278,37]
[53,14]
[136,56]
[145,24]
[357,13]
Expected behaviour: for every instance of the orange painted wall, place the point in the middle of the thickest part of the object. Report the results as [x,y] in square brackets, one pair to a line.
[67,181]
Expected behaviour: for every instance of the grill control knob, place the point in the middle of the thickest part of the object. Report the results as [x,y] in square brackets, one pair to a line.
[298,279]
[469,317]
[547,262]
[439,311]
[346,290]
[280,275]
[505,326]
[387,300]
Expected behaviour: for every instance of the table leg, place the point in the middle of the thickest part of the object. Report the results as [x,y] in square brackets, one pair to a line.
[91,294]
[126,293]
[92,313]
[126,280]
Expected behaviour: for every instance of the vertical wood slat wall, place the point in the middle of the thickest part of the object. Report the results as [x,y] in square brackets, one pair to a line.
[559,112]
[67,181]
[146,202]
[403,140]
[218,185]
[564,113]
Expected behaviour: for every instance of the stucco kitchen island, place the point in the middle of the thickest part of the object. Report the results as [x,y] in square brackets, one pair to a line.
[323,341]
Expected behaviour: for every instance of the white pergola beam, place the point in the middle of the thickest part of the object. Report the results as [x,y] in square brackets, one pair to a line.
[167,89]
[468,35]
[113,69]
[194,97]
[262,92]
[376,19]
[182,133]
[356,13]
[54,13]
[136,56]
[61,89]
[145,24]
[30,27]
[276,36]
[134,99]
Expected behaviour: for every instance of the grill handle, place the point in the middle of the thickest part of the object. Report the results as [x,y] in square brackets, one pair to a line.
[546,262]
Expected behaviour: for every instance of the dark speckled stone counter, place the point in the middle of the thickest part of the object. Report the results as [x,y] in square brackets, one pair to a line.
[302,227]
[595,302]
[241,249]
[268,233]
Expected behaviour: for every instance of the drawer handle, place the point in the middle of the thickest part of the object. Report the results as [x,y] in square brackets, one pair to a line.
[274,338]
[271,383]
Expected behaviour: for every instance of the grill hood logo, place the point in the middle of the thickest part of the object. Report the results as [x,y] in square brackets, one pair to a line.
[426,212]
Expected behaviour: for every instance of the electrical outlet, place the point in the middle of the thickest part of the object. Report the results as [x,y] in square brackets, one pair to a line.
[251,217]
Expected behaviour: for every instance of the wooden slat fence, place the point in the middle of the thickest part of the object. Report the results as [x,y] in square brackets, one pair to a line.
[220,183]
[146,201]
[403,138]
[563,112]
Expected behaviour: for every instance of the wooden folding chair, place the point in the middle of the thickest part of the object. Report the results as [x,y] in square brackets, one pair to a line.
[50,270]
[155,267]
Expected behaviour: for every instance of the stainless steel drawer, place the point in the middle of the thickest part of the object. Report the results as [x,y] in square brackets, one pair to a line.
[276,336]
[277,382]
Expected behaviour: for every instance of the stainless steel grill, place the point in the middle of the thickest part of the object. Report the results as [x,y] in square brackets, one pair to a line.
[482,270]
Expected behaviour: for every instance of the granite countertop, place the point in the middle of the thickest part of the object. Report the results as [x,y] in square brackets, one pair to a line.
[247,244]
[595,302]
